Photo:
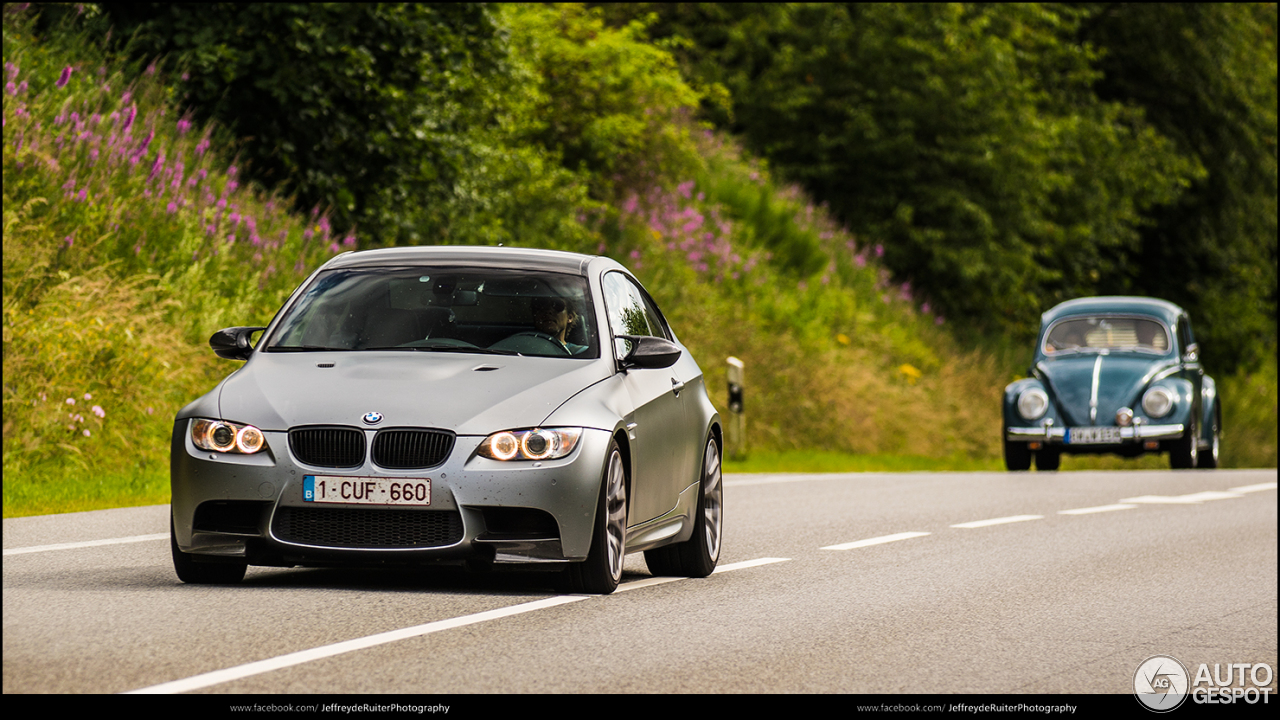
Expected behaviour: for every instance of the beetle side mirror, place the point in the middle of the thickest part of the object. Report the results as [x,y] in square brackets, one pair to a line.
[1192,353]
[650,352]
[233,343]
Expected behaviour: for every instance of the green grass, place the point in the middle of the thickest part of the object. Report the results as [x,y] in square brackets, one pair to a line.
[50,489]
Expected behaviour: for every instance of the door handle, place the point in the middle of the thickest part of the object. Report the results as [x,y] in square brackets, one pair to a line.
[676,386]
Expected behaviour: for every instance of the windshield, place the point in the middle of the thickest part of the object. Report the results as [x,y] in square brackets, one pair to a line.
[1106,333]
[439,309]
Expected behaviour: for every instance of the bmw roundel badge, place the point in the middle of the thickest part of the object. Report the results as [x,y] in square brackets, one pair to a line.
[372,418]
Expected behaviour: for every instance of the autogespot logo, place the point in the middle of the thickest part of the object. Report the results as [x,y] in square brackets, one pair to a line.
[1161,683]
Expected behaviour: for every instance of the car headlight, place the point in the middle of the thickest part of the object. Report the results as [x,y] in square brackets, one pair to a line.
[1157,402]
[222,436]
[534,444]
[1032,403]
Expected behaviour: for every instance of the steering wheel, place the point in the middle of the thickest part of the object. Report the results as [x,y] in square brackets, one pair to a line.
[518,341]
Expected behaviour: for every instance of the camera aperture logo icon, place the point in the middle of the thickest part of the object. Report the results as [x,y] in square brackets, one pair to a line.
[1161,683]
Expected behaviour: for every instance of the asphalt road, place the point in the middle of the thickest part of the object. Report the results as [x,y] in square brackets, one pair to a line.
[1085,575]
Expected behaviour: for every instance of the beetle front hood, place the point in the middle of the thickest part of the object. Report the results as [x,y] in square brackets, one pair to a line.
[1122,377]
[466,393]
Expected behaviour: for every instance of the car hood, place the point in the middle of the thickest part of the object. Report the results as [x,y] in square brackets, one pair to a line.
[468,394]
[1121,381]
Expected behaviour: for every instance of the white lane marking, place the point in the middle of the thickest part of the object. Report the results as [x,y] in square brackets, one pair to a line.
[86,544]
[1098,509]
[217,677]
[239,672]
[876,541]
[1191,499]
[1254,488]
[773,479]
[748,564]
[998,521]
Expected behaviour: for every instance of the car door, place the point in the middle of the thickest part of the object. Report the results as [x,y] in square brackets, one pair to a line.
[657,428]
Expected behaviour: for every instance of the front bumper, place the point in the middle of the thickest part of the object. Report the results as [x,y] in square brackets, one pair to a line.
[519,512]
[1051,434]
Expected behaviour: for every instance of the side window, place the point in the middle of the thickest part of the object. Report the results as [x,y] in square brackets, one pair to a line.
[630,312]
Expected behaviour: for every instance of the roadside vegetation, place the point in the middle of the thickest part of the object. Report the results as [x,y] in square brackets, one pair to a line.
[168,172]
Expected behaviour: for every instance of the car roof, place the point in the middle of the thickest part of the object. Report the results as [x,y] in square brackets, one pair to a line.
[475,256]
[1114,305]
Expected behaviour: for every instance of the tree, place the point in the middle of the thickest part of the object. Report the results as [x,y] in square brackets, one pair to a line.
[1205,76]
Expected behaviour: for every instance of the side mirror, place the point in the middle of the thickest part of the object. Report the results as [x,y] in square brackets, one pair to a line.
[1191,353]
[650,352]
[233,343]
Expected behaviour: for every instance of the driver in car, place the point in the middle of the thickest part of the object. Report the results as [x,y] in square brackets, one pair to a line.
[554,316]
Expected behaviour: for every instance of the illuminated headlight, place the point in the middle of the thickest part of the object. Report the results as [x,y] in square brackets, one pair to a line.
[1157,402]
[222,436]
[1032,403]
[535,444]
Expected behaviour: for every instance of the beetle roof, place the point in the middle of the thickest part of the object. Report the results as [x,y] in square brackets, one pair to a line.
[524,258]
[1114,304]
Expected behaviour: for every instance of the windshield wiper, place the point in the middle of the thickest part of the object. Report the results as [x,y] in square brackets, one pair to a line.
[444,348]
[304,348]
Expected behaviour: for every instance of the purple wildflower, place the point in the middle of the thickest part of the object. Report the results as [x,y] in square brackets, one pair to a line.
[66,76]
[128,118]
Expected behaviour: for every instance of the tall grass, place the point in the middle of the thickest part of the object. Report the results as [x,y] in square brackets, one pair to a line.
[128,240]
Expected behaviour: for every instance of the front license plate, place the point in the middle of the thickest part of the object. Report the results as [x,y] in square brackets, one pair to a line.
[366,490]
[1092,435]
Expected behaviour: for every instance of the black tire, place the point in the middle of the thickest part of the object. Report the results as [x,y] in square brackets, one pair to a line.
[1209,460]
[1185,450]
[1016,456]
[1048,459]
[222,571]
[600,572]
[697,556]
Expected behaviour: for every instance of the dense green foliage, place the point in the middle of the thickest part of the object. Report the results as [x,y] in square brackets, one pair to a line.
[1205,76]
[1012,156]
[141,214]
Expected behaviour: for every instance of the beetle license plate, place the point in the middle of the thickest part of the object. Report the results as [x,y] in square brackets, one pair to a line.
[1092,435]
[366,490]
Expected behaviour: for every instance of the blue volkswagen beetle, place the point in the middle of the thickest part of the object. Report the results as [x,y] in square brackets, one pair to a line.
[1113,375]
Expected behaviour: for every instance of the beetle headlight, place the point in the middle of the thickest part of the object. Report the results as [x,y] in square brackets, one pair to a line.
[535,444]
[1157,402]
[223,436]
[1032,403]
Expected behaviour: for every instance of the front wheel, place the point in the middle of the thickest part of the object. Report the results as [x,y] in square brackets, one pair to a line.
[1016,456]
[1185,450]
[697,556]
[1209,460]
[1048,459]
[222,572]
[600,572]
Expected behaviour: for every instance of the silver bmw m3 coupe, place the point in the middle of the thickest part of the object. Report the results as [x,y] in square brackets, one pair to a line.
[478,406]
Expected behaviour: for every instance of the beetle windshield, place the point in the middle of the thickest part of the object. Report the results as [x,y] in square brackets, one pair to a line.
[439,309]
[1106,333]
